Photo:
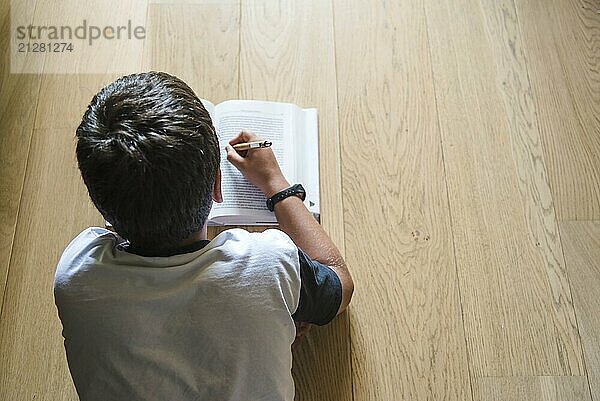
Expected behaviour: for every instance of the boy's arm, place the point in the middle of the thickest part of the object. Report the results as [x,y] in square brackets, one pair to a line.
[260,167]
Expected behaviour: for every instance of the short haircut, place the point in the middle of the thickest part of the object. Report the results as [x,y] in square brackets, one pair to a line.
[148,154]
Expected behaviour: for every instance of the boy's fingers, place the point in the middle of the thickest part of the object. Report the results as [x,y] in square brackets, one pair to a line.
[244,136]
[249,136]
[233,156]
[238,139]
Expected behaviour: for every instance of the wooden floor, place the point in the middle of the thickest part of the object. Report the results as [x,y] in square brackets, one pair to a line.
[460,174]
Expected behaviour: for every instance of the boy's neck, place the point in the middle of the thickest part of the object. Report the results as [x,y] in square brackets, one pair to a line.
[198,236]
[192,239]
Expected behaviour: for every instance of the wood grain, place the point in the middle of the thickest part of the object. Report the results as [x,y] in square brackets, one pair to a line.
[63,99]
[198,43]
[17,109]
[30,10]
[122,54]
[54,208]
[518,313]
[287,54]
[581,242]
[538,388]
[407,335]
[562,43]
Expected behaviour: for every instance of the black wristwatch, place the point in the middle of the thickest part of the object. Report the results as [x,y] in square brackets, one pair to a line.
[294,190]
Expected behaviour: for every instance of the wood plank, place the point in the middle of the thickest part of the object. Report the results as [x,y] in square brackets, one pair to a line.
[406,329]
[540,388]
[86,54]
[287,54]
[581,242]
[55,207]
[22,12]
[198,43]
[562,43]
[17,108]
[518,313]
[64,97]
[512,79]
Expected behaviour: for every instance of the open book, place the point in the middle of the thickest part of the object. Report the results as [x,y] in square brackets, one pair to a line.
[293,132]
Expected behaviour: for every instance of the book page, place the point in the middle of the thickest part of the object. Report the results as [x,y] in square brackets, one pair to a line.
[270,121]
[307,156]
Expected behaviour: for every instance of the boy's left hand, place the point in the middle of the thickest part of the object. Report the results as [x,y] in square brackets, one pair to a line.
[302,328]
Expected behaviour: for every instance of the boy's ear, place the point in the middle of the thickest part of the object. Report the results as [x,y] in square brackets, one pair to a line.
[217,195]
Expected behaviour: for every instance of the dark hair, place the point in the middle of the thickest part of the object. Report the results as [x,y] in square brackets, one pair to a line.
[148,154]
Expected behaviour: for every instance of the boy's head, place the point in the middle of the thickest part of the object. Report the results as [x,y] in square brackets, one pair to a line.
[149,156]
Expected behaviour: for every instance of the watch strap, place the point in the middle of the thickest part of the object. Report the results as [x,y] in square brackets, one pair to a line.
[294,190]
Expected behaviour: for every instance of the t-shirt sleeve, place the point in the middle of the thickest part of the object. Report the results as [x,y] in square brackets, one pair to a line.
[320,292]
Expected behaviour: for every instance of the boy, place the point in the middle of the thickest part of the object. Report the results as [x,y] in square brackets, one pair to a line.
[156,311]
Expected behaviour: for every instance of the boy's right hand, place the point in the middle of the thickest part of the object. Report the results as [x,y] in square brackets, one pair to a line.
[259,166]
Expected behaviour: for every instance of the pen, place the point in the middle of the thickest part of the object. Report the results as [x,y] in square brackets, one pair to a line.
[252,145]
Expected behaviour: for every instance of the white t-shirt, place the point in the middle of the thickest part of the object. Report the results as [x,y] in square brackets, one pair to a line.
[214,324]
